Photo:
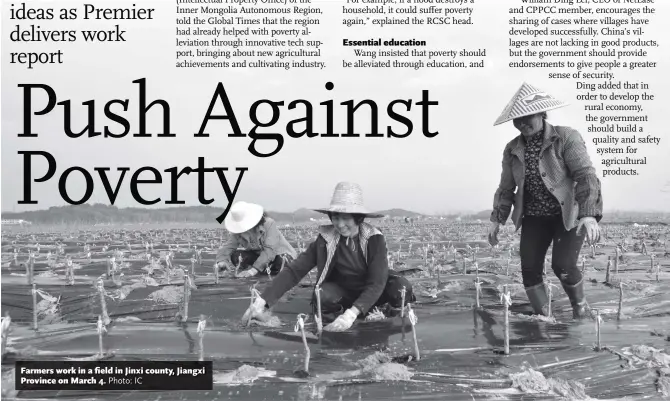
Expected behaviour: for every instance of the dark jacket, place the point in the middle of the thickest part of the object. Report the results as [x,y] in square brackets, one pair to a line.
[320,254]
[566,169]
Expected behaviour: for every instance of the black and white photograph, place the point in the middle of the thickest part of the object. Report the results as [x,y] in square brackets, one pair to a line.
[335,200]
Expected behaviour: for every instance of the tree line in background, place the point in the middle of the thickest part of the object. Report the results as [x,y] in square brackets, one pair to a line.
[106,214]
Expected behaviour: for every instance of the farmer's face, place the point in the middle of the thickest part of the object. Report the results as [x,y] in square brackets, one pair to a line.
[529,125]
[344,224]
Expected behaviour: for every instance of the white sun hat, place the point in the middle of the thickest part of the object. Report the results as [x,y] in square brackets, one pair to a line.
[528,100]
[348,198]
[242,217]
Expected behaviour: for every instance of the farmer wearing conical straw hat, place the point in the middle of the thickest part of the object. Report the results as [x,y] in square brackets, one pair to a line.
[351,258]
[557,198]
[263,245]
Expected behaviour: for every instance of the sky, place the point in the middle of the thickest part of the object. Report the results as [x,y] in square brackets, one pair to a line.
[458,170]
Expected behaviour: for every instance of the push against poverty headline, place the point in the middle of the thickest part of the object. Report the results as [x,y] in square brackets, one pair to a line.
[301,111]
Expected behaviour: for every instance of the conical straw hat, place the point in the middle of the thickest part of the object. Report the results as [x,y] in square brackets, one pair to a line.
[528,100]
[348,198]
[243,217]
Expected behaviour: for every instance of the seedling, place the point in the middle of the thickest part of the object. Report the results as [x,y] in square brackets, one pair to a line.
[506,300]
[101,330]
[239,263]
[413,321]
[202,323]
[652,256]
[616,260]
[619,313]
[34,293]
[215,267]
[598,322]
[6,323]
[549,295]
[103,302]
[317,318]
[254,293]
[300,326]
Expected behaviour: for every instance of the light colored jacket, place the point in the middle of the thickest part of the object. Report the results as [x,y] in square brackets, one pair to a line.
[267,240]
[566,170]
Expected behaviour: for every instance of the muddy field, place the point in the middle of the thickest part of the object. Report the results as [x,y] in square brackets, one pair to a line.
[460,344]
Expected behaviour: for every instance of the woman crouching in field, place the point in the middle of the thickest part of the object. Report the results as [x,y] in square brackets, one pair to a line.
[264,246]
[557,197]
[351,258]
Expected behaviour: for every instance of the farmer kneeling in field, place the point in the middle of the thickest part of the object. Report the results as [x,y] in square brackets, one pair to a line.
[353,271]
[264,246]
[557,197]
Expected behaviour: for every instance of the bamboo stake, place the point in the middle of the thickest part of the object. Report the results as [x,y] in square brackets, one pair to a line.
[34,293]
[216,273]
[607,273]
[319,322]
[620,310]
[103,302]
[593,251]
[193,267]
[109,267]
[413,321]
[187,294]
[616,260]
[598,322]
[403,291]
[202,323]
[300,326]
[101,329]
[506,300]
[652,256]
[507,267]
[478,290]
[465,269]
[658,272]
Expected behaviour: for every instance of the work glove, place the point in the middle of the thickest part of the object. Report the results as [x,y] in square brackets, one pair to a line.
[344,321]
[494,228]
[250,272]
[591,228]
[256,310]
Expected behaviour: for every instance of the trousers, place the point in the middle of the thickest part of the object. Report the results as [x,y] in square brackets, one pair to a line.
[537,233]
[335,299]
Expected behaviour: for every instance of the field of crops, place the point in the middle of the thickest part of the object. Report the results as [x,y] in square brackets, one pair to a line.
[155,293]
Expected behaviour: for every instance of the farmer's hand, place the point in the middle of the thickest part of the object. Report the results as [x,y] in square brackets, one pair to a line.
[494,228]
[222,265]
[250,272]
[255,310]
[344,321]
[590,225]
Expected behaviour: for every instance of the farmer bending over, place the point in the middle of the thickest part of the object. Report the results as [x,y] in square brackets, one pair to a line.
[350,257]
[264,246]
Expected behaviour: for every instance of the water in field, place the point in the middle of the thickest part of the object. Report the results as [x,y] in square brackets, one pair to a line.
[460,345]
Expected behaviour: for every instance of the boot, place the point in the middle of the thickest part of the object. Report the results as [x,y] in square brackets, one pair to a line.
[580,308]
[537,295]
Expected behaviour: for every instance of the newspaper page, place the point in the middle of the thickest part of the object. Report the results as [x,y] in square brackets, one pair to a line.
[335,199]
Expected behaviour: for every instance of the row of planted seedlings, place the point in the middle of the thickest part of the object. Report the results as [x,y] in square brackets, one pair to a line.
[113,268]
